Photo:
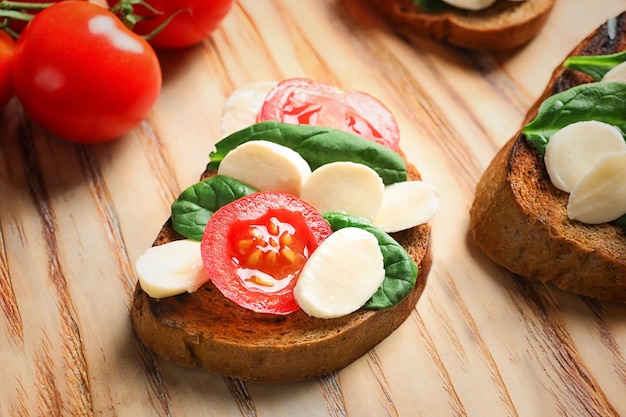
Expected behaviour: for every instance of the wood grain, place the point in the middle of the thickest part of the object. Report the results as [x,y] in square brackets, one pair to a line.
[481,342]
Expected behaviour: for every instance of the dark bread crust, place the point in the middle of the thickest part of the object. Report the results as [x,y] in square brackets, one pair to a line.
[504,25]
[206,329]
[519,219]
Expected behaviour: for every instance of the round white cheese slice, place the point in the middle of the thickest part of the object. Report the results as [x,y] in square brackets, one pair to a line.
[600,196]
[343,273]
[172,268]
[344,187]
[407,204]
[574,150]
[243,105]
[266,166]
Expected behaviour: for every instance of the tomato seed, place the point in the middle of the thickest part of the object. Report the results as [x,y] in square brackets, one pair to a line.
[254,257]
[288,254]
[270,258]
[260,281]
[286,239]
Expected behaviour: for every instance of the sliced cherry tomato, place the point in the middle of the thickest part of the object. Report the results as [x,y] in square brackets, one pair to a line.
[79,72]
[304,101]
[254,248]
[190,21]
[7,45]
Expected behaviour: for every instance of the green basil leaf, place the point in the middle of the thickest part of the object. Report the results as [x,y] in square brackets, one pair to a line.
[194,207]
[432,6]
[595,65]
[400,270]
[318,146]
[330,147]
[620,221]
[604,102]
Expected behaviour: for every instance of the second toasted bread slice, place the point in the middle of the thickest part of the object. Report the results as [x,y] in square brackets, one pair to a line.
[519,219]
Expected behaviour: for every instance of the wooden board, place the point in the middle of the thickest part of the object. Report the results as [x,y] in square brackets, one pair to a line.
[481,342]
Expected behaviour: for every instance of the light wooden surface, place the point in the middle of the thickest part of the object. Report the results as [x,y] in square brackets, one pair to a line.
[481,342]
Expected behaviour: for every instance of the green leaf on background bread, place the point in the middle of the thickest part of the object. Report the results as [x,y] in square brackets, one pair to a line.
[595,65]
[604,102]
[432,6]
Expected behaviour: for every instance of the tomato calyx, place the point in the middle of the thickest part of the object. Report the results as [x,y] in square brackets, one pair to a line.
[168,24]
[125,11]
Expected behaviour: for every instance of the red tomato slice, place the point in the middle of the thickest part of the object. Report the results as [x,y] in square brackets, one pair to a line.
[304,101]
[254,248]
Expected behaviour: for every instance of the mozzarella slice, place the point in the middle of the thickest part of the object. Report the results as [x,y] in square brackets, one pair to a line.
[343,273]
[407,204]
[266,166]
[600,196]
[172,268]
[470,4]
[243,105]
[574,150]
[345,187]
[617,73]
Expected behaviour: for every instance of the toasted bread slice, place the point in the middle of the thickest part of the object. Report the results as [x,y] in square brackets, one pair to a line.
[206,329]
[519,218]
[504,25]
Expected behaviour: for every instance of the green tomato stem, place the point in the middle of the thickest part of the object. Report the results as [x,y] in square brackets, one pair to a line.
[19,5]
[16,10]
[8,15]
[125,10]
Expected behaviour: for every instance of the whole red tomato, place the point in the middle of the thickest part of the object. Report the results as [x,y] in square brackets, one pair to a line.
[190,21]
[80,73]
[7,45]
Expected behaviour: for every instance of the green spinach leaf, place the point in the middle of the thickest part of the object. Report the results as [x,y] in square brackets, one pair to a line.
[604,102]
[595,65]
[620,221]
[432,6]
[400,270]
[194,207]
[318,146]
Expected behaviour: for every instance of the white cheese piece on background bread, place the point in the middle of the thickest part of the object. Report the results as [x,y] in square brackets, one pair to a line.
[600,196]
[470,4]
[617,73]
[575,149]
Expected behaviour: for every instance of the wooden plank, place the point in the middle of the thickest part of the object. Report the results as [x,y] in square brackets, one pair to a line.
[481,342]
